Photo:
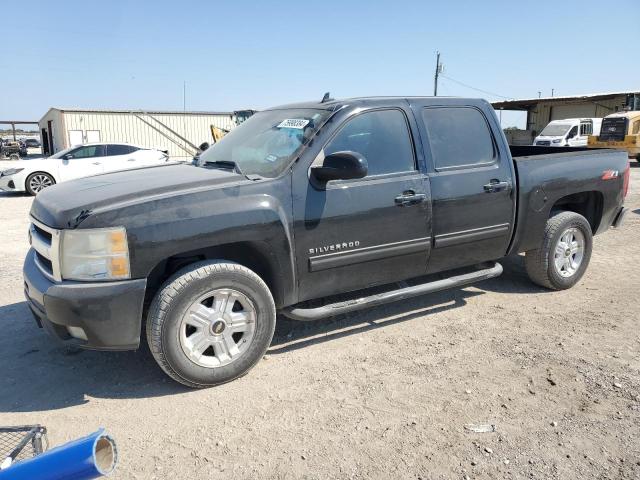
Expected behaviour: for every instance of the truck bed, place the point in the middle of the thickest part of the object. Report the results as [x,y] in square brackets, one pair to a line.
[547,174]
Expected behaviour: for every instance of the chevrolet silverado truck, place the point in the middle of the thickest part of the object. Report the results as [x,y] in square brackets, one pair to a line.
[309,210]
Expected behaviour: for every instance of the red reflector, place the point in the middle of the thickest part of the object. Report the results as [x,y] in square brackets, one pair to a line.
[625,184]
[610,174]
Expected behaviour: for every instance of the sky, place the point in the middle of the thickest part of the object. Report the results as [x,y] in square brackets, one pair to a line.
[244,54]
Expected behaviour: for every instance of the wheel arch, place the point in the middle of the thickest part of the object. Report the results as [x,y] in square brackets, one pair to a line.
[254,255]
[589,204]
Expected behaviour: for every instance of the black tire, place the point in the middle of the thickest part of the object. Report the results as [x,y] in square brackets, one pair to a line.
[27,184]
[173,300]
[540,263]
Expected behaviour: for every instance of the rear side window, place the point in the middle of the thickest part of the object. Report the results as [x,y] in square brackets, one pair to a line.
[382,137]
[459,137]
[120,149]
[586,129]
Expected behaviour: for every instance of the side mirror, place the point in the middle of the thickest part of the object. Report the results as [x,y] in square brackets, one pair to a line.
[344,165]
[68,156]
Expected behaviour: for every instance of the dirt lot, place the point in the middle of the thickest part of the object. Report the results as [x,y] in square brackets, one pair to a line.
[380,394]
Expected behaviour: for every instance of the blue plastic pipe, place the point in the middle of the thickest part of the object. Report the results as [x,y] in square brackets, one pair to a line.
[89,457]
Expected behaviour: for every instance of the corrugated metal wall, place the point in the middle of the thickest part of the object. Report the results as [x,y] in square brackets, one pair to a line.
[131,128]
[540,117]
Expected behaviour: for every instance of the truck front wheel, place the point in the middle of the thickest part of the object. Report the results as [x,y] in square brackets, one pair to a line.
[564,254]
[210,323]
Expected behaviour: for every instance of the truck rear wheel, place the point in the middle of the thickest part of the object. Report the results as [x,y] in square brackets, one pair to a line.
[210,323]
[564,254]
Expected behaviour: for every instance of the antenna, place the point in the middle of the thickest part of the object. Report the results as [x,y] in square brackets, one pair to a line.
[439,70]
[326,98]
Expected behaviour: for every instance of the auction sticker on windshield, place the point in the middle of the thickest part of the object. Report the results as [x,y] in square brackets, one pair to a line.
[299,123]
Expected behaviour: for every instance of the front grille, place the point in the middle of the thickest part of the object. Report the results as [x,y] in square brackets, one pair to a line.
[544,143]
[44,264]
[46,243]
[42,232]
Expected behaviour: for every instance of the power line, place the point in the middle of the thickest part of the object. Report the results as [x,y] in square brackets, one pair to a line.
[474,88]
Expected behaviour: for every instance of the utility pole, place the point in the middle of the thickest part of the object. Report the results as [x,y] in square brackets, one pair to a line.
[438,72]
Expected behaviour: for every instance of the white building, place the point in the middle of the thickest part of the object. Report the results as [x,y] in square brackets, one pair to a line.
[177,132]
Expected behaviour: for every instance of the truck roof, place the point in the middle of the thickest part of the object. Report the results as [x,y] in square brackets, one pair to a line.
[337,104]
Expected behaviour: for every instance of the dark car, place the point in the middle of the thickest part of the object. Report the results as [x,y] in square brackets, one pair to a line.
[32,143]
[309,210]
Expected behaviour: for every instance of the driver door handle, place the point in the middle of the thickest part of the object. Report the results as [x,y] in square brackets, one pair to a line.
[97,163]
[496,186]
[410,198]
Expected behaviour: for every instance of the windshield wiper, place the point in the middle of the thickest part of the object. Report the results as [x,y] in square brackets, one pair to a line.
[231,165]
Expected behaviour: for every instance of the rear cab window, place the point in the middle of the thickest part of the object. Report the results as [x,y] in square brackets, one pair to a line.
[459,137]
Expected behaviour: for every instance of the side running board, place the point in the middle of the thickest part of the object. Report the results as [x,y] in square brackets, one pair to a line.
[310,314]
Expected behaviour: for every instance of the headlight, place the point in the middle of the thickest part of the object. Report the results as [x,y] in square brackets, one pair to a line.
[11,171]
[557,140]
[95,254]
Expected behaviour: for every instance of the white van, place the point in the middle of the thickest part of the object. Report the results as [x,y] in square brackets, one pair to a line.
[570,132]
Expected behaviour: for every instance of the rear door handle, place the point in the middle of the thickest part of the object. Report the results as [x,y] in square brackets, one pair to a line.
[97,163]
[410,198]
[131,160]
[496,186]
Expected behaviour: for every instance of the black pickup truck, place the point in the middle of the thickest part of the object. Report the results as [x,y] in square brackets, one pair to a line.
[309,210]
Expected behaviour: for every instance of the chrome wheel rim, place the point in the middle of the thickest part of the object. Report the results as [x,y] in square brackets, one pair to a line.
[217,328]
[569,252]
[40,182]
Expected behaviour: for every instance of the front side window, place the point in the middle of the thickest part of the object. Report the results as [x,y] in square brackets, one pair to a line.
[382,137]
[459,137]
[88,151]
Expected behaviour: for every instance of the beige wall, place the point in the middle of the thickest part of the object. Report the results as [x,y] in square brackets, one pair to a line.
[131,128]
[545,112]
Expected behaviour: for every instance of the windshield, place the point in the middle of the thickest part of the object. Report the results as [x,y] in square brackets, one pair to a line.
[267,142]
[555,130]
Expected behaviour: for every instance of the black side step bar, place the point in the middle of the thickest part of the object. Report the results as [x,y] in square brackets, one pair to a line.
[310,314]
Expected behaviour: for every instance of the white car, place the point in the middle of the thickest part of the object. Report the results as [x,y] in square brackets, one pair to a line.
[32,176]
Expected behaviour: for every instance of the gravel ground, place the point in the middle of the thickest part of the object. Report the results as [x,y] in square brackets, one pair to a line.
[384,393]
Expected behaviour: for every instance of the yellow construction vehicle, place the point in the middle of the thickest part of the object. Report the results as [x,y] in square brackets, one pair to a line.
[621,130]
[239,116]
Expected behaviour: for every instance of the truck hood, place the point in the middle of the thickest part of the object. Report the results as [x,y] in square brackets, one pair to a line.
[65,205]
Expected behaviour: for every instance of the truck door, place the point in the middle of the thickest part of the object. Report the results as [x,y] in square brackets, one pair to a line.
[472,186]
[353,234]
